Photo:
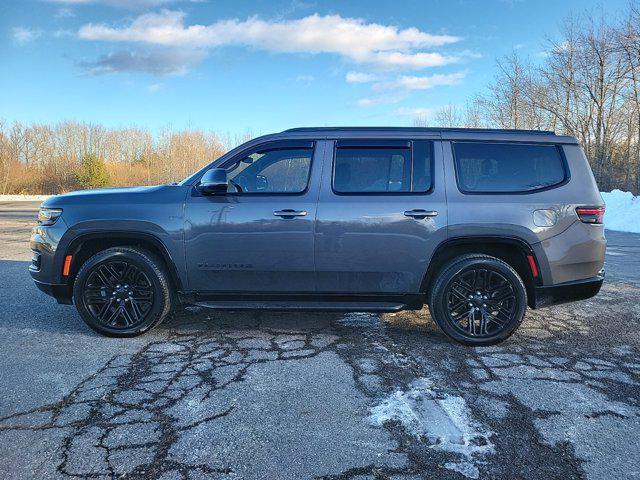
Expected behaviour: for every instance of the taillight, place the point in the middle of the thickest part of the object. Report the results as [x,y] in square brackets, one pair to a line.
[590,214]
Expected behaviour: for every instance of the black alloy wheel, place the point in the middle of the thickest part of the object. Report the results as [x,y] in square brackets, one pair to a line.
[480,302]
[122,291]
[478,299]
[118,294]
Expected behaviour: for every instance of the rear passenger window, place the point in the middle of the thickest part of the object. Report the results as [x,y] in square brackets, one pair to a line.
[382,169]
[507,168]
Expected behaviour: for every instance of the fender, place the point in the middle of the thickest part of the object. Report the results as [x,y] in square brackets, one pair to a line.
[483,242]
[170,247]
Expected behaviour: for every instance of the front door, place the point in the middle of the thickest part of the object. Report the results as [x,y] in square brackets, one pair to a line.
[258,237]
[381,214]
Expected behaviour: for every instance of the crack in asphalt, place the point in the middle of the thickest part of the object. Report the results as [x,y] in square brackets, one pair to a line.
[149,390]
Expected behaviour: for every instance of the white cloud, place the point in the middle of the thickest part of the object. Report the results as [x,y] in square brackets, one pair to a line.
[65,12]
[385,99]
[384,46]
[360,77]
[365,102]
[413,112]
[305,78]
[394,91]
[154,87]
[63,32]
[411,61]
[408,82]
[22,35]
[157,62]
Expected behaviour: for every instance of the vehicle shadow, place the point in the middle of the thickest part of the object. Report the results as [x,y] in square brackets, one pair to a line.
[26,307]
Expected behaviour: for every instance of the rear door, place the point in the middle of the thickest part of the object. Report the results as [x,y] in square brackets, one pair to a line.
[382,212]
[259,236]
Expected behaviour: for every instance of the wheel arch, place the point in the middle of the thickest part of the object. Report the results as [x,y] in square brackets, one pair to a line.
[87,244]
[512,250]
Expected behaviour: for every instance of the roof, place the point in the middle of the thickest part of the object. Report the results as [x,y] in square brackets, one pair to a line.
[419,130]
[447,134]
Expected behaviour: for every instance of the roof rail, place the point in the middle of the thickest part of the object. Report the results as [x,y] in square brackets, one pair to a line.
[420,129]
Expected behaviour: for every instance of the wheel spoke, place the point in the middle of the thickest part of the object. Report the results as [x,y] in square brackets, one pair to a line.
[502,294]
[461,295]
[136,310]
[469,287]
[127,317]
[96,294]
[126,273]
[459,304]
[104,276]
[495,319]
[111,319]
[104,309]
[482,280]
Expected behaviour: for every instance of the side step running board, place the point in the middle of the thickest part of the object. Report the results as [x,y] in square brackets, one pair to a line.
[301,305]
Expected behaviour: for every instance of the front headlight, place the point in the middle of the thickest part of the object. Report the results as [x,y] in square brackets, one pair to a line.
[48,216]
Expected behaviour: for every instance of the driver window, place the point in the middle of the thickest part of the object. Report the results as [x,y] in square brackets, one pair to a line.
[283,170]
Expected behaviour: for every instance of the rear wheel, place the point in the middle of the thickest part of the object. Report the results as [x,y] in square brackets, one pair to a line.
[122,292]
[478,300]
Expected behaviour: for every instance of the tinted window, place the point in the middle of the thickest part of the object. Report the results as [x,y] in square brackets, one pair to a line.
[503,167]
[382,170]
[271,171]
[422,155]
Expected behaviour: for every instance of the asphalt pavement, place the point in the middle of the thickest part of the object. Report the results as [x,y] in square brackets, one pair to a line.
[260,395]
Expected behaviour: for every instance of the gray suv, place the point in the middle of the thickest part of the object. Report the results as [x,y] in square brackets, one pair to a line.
[478,224]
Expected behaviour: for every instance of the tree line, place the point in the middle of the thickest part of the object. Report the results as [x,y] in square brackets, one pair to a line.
[585,83]
[49,159]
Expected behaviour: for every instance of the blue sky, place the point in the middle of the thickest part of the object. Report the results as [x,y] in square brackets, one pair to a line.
[261,66]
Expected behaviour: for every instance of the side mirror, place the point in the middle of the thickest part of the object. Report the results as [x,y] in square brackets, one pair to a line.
[214,181]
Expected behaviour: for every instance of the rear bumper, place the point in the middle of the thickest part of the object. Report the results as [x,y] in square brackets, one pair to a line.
[568,291]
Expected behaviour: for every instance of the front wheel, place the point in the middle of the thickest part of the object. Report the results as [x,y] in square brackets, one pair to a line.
[122,292]
[478,300]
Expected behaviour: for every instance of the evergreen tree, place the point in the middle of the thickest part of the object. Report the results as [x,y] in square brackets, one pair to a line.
[93,173]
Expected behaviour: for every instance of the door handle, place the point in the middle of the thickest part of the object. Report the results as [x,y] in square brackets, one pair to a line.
[420,213]
[289,213]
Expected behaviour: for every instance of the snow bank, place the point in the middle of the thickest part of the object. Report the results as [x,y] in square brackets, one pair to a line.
[23,198]
[622,212]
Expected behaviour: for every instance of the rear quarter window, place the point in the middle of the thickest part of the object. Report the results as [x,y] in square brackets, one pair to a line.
[507,167]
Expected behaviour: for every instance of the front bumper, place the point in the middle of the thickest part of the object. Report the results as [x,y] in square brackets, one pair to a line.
[61,292]
[568,291]
[46,266]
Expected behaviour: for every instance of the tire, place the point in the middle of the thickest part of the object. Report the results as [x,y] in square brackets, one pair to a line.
[122,292]
[485,314]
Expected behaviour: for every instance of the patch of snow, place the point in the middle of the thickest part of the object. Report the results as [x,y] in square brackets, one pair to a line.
[467,469]
[622,212]
[443,420]
[23,198]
